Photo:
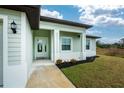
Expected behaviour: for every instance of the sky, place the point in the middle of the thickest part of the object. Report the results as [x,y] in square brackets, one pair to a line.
[107,20]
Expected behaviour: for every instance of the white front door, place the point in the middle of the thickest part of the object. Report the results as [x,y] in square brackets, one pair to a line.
[41,48]
[1,54]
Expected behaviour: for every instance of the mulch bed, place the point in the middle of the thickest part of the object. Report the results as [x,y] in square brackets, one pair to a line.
[68,64]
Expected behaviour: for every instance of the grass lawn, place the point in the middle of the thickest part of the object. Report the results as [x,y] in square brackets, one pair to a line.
[105,71]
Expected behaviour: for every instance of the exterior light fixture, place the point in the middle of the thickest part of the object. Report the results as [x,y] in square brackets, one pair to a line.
[78,36]
[13,27]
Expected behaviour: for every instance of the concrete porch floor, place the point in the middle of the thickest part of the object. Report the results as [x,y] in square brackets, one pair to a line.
[48,76]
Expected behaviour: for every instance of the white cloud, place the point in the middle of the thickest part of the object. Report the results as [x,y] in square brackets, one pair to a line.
[53,14]
[108,40]
[108,20]
[95,32]
[101,14]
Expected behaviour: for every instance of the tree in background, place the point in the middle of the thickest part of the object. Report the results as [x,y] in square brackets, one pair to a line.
[119,44]
[102,45]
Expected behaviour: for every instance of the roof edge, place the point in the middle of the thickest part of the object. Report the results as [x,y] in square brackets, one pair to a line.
[32,11]
[66,22]
[92,36]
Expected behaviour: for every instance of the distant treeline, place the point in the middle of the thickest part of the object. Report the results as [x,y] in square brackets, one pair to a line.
[119,44]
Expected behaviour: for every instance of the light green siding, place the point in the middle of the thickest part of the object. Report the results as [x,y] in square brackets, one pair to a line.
[76,40]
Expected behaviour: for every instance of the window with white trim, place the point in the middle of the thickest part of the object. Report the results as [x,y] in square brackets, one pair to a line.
[66,43]
[88,44]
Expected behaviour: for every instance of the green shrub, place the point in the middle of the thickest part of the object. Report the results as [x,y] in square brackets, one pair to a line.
[73,61]
[59,61]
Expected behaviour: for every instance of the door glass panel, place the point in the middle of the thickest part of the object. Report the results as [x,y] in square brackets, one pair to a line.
[39,46]
[45,48]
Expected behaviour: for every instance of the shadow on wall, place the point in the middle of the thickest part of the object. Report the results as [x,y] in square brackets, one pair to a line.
[74,62]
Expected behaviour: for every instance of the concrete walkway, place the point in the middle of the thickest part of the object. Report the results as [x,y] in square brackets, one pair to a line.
[48,76]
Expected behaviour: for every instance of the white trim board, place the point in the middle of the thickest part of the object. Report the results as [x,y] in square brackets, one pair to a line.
[5,47]
[61,27]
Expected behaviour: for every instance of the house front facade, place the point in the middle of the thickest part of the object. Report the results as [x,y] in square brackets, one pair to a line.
[25,37]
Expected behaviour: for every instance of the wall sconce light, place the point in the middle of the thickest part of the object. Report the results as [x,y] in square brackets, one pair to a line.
[78,36]
[13,27]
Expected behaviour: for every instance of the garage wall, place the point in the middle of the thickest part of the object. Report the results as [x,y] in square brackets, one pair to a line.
[15,72]
[14,40]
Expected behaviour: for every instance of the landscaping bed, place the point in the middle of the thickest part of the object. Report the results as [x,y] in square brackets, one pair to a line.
[74,62]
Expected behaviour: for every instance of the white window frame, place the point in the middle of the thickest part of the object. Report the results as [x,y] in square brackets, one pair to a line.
[71,43]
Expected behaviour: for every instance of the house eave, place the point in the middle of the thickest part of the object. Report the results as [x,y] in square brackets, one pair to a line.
[32,12]
[92,36]
[65,22]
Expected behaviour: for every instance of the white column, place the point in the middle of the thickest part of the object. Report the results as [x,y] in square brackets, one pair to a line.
[83,45]
[52,45]
[56,45]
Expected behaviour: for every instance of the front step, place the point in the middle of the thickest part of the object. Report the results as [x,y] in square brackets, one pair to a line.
[42,62]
